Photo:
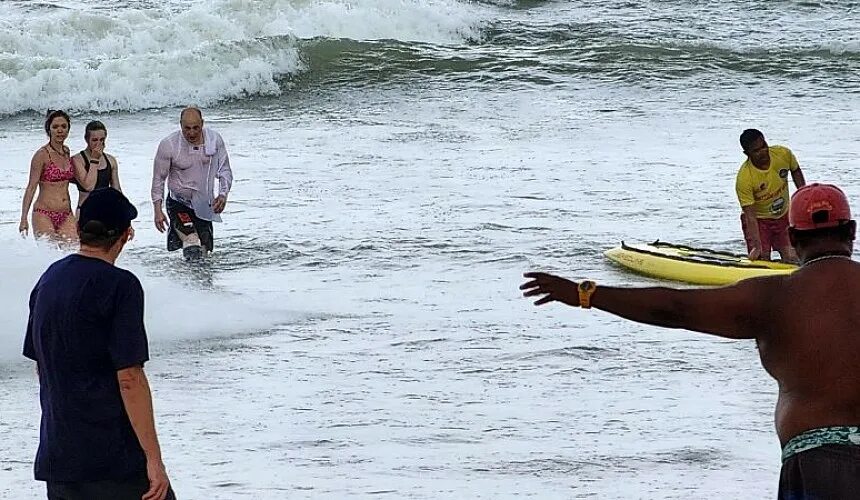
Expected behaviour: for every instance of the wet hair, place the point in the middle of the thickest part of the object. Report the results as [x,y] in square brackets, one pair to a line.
[51,115]
[95,234]
[749,136]
[92,127]
[843,233]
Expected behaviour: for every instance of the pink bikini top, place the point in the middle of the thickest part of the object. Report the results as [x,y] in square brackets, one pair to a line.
[53,173]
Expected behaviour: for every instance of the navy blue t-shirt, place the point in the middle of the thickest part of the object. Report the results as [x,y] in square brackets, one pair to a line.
[86,323]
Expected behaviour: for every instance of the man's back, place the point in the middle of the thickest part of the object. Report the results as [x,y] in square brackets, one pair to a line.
[810,344]
[86,322]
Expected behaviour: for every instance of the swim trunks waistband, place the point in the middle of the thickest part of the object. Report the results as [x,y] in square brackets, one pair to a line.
[841,434]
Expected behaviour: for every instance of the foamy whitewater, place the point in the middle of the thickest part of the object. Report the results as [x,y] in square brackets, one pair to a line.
[358,332]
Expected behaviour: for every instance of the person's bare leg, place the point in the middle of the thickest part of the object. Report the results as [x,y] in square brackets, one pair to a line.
[69,230]
[192,249]
[42,226]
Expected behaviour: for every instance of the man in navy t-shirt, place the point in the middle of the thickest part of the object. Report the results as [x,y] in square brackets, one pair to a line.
[86,334]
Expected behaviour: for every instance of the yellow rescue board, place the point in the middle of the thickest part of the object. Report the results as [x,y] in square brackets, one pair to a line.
[698,266]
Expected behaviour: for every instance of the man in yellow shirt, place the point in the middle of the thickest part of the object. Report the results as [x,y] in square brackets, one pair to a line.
[762,188]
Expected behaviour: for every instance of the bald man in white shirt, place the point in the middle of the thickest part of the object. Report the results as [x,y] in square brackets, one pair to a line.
[190,160]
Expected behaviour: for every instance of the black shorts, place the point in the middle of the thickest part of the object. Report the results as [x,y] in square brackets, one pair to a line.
[829,472]
[129,489]
[185,220]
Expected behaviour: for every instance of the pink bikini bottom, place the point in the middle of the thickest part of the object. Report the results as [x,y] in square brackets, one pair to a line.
[57,218]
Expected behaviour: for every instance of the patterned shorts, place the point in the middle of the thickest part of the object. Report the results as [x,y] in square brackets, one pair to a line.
[821,464]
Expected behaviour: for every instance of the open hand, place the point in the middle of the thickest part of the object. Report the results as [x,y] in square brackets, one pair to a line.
[24,228]
[553,288]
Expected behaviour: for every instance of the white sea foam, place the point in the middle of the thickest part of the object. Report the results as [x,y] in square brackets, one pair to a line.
[174,311]
[139,57]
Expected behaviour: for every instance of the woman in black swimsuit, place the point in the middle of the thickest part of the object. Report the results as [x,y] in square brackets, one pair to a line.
[95,135]
[94,156]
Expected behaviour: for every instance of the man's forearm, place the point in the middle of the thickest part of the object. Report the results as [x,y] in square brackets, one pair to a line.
[752,227]
[137,399]
[654,306]
[797,177]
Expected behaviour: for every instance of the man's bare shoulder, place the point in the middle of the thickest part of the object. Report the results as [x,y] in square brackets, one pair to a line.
[763,298]
[764,283]
[837,278]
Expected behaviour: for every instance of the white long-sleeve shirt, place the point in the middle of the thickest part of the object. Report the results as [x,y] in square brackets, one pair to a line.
[191,171]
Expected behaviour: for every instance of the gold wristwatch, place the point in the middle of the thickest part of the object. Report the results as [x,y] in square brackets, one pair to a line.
[586,290]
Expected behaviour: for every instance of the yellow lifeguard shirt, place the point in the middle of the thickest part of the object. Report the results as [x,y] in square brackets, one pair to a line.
[767,189]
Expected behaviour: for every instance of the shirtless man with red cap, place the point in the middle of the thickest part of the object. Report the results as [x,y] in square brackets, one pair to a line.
[805,325]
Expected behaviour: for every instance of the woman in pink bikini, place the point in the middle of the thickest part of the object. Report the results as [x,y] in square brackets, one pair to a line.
[51,170]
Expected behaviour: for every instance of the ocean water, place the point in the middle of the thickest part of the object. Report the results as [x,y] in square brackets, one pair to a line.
[358,332]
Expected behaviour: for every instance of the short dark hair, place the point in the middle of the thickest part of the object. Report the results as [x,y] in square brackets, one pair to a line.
[92,127]
[843,233]
[749,136]
[51,115]
[95,234]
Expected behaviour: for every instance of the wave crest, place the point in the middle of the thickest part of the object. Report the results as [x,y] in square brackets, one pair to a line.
[148,57]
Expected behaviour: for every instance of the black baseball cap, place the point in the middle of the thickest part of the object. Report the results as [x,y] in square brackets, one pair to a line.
[106,212]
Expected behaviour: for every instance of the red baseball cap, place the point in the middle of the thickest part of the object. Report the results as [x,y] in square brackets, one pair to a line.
[816,206]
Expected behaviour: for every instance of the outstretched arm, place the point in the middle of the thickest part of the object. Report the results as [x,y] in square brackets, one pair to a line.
[731,311]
